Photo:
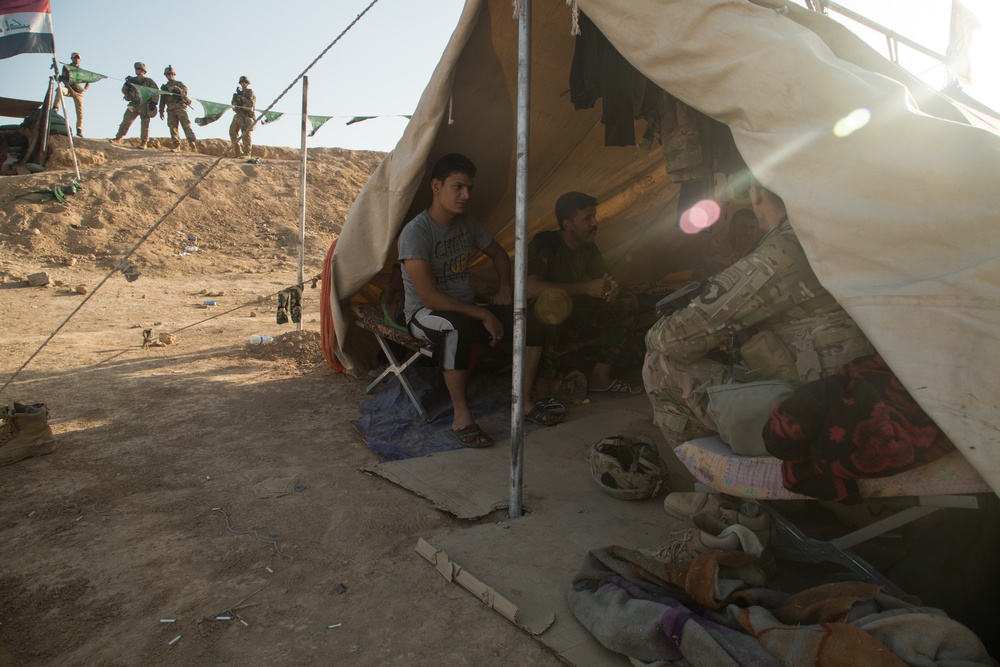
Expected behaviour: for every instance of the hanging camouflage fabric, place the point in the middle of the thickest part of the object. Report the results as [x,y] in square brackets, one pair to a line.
[627,468]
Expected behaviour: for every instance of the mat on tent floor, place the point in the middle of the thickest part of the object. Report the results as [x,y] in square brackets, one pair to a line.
[525,566]
[389,422]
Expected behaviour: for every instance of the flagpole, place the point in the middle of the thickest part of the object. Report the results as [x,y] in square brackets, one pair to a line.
[62,101]
[302,187]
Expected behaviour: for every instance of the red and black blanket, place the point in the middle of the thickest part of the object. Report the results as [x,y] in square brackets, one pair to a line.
[861,423]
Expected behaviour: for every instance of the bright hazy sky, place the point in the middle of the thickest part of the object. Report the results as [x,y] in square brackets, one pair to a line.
[379,68]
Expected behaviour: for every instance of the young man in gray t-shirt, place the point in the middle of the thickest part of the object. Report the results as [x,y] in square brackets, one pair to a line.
[435,249]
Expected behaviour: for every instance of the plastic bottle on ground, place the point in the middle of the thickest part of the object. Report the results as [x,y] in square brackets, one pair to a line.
[257,339]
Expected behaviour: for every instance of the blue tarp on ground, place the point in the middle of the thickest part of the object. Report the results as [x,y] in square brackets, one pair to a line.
[392,428]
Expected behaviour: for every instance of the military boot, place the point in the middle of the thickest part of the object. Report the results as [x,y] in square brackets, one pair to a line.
[194,146]
[25,432]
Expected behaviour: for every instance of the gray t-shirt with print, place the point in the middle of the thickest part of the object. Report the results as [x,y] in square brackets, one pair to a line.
[449,251]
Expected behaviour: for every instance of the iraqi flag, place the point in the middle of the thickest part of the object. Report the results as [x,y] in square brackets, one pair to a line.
[25,27]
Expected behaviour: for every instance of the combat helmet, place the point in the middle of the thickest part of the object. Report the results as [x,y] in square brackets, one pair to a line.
[139,65]
[627,468]
[244,79]
[170,70]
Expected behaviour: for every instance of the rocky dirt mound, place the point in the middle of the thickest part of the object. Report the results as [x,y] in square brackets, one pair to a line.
[243,217]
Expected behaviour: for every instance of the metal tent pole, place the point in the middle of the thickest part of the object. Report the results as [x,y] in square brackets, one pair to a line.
[518,387]
[302,187]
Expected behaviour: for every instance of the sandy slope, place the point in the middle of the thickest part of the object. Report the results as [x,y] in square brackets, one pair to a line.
[117,529]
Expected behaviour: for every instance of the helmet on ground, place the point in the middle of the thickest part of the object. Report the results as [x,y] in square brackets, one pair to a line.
[244,79]
[627,468]
[169,70]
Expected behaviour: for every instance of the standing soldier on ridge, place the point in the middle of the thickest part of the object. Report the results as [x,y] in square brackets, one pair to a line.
[243,103]
[136,107]
[176,102]
[74,90]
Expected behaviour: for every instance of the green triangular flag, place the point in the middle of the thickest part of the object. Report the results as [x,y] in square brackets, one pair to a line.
[358,119]
[145,93]
[271,116]
[317,122]
[77,75]
[213,112]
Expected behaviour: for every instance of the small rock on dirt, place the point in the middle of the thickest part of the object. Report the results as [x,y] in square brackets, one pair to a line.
[39,279]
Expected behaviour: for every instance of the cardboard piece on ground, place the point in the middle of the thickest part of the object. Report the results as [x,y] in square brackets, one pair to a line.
[529,563]
[444,478]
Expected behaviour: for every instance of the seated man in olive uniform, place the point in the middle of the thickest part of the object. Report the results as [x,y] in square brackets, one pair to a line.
[573,289]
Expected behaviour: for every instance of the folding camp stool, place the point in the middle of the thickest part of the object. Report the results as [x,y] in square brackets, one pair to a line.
[927,489]
[369,317]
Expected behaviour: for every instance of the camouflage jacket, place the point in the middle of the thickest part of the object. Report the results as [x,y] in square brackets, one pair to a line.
[131,94]
[244,102]
[178,100]
[772,288]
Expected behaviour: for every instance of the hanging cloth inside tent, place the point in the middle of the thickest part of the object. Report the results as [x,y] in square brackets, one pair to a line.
[213,112]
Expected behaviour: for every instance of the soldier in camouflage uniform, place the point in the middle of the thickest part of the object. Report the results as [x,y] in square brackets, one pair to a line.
[769,308]
[176,104]
[136,107]
[243,103]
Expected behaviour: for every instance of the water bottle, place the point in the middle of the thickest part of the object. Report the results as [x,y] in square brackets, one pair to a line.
[257,339]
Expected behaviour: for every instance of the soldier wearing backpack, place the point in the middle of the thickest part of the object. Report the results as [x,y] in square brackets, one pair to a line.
[176,102]
[136,107]
[244,101]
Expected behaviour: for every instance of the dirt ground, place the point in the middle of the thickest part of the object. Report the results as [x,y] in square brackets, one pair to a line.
[168,457]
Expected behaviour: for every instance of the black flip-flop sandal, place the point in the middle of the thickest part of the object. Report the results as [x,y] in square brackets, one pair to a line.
[539,415]
[472,436]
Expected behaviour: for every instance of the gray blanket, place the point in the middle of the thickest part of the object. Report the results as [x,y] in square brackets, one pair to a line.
[712,612]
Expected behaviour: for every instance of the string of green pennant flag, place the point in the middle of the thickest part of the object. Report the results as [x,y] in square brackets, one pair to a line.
[215,110]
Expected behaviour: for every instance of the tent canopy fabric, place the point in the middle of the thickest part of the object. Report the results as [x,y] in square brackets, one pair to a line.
[896,218]
[14,108]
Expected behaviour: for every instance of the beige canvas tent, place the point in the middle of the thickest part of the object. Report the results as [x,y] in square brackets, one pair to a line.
[897,218]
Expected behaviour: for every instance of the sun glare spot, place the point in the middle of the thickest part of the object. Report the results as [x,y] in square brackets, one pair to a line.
[852,122]
[553,306]
[701,216]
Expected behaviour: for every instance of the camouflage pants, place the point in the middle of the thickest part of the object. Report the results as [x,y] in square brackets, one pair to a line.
[131,113]
[175,118]
[592,321]
[241,124]
[679,394]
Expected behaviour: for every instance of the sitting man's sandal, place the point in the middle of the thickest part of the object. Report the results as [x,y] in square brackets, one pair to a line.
[619,387]
[540,415]
[552,404]
[472,436]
